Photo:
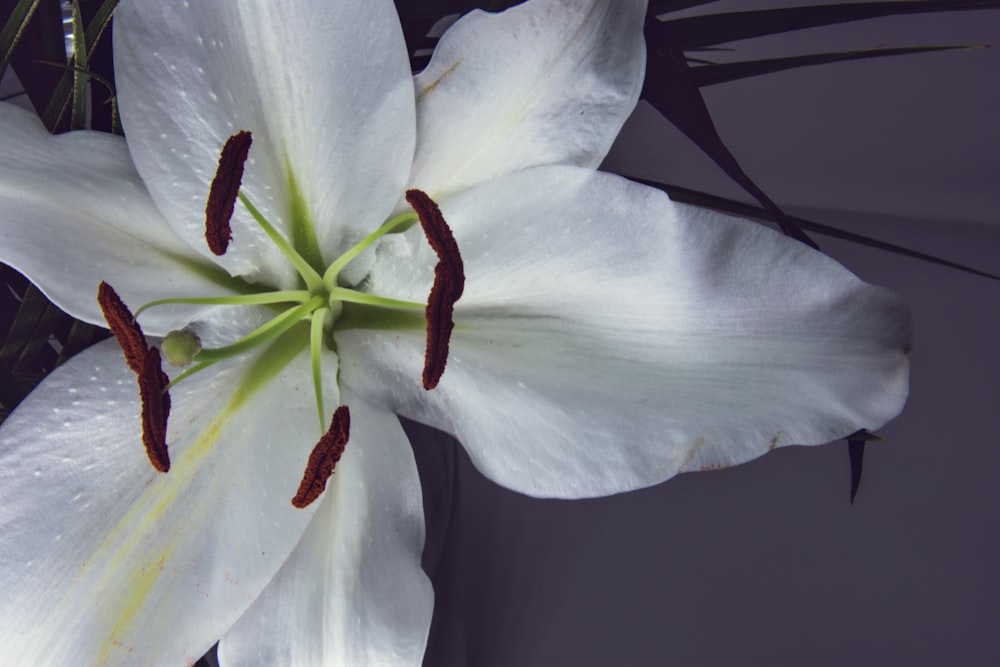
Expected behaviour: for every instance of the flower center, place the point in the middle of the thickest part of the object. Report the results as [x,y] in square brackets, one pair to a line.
[322,303]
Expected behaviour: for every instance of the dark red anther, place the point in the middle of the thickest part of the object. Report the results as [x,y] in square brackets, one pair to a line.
[155,409]
[123,325]
[323,459]
[449,282]
[224,191]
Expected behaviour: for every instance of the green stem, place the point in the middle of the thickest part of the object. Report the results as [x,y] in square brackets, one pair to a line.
[188,373]
[282,296]
[313,280]
[330,276]
[261,335]
[352,296]
[315,348]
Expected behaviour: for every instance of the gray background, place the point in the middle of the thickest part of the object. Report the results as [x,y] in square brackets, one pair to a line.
[767,563]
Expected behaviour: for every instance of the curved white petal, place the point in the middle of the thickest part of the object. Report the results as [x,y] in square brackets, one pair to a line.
[106,561]
[609,338]
[73,212]
[352,592]
[546,82]
[324,87]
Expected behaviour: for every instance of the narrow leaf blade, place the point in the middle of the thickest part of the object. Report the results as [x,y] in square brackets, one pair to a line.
[856,454]
[716,73]
[52,117]
[670,88]
[689,196]
[78,118]
[710,29]
[13,29]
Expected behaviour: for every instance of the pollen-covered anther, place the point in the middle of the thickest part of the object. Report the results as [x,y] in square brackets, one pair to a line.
[155,409]
[323,459]
[224,191]
[449,282]
[122,323]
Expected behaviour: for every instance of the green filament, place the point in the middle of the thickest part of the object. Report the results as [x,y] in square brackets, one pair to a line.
[262,334]
[312,279]
[353,296]
[316,328]
[264,298]
[332,271]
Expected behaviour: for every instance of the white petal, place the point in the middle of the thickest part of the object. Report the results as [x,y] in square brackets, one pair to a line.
[609,338]
[352,592]
[73,212]
[105,561]
[324,87]
[546,82]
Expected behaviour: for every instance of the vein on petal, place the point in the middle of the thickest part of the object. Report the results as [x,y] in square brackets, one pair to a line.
[434,84]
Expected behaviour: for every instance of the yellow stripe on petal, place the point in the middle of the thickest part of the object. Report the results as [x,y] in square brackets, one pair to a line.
[149,515]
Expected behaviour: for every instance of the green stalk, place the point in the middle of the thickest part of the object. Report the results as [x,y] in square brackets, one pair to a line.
[315,348]
[313,280]
[261,335]
[353,296]
[330,276]
[281,296]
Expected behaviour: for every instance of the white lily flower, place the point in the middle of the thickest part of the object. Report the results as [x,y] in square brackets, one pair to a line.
[607,338]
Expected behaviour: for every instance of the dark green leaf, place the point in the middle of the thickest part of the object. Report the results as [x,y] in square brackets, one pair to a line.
[749,210]
[865,435]
[31,330]
[25,327]
[711,74]
[78,117]
[10,391]
[42,41]
[46,320]
[112,97]
[698,31]
[55,110]
[671,89]
[81,336]
[657,7]
[13,28]
[100,62]
[856,453]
